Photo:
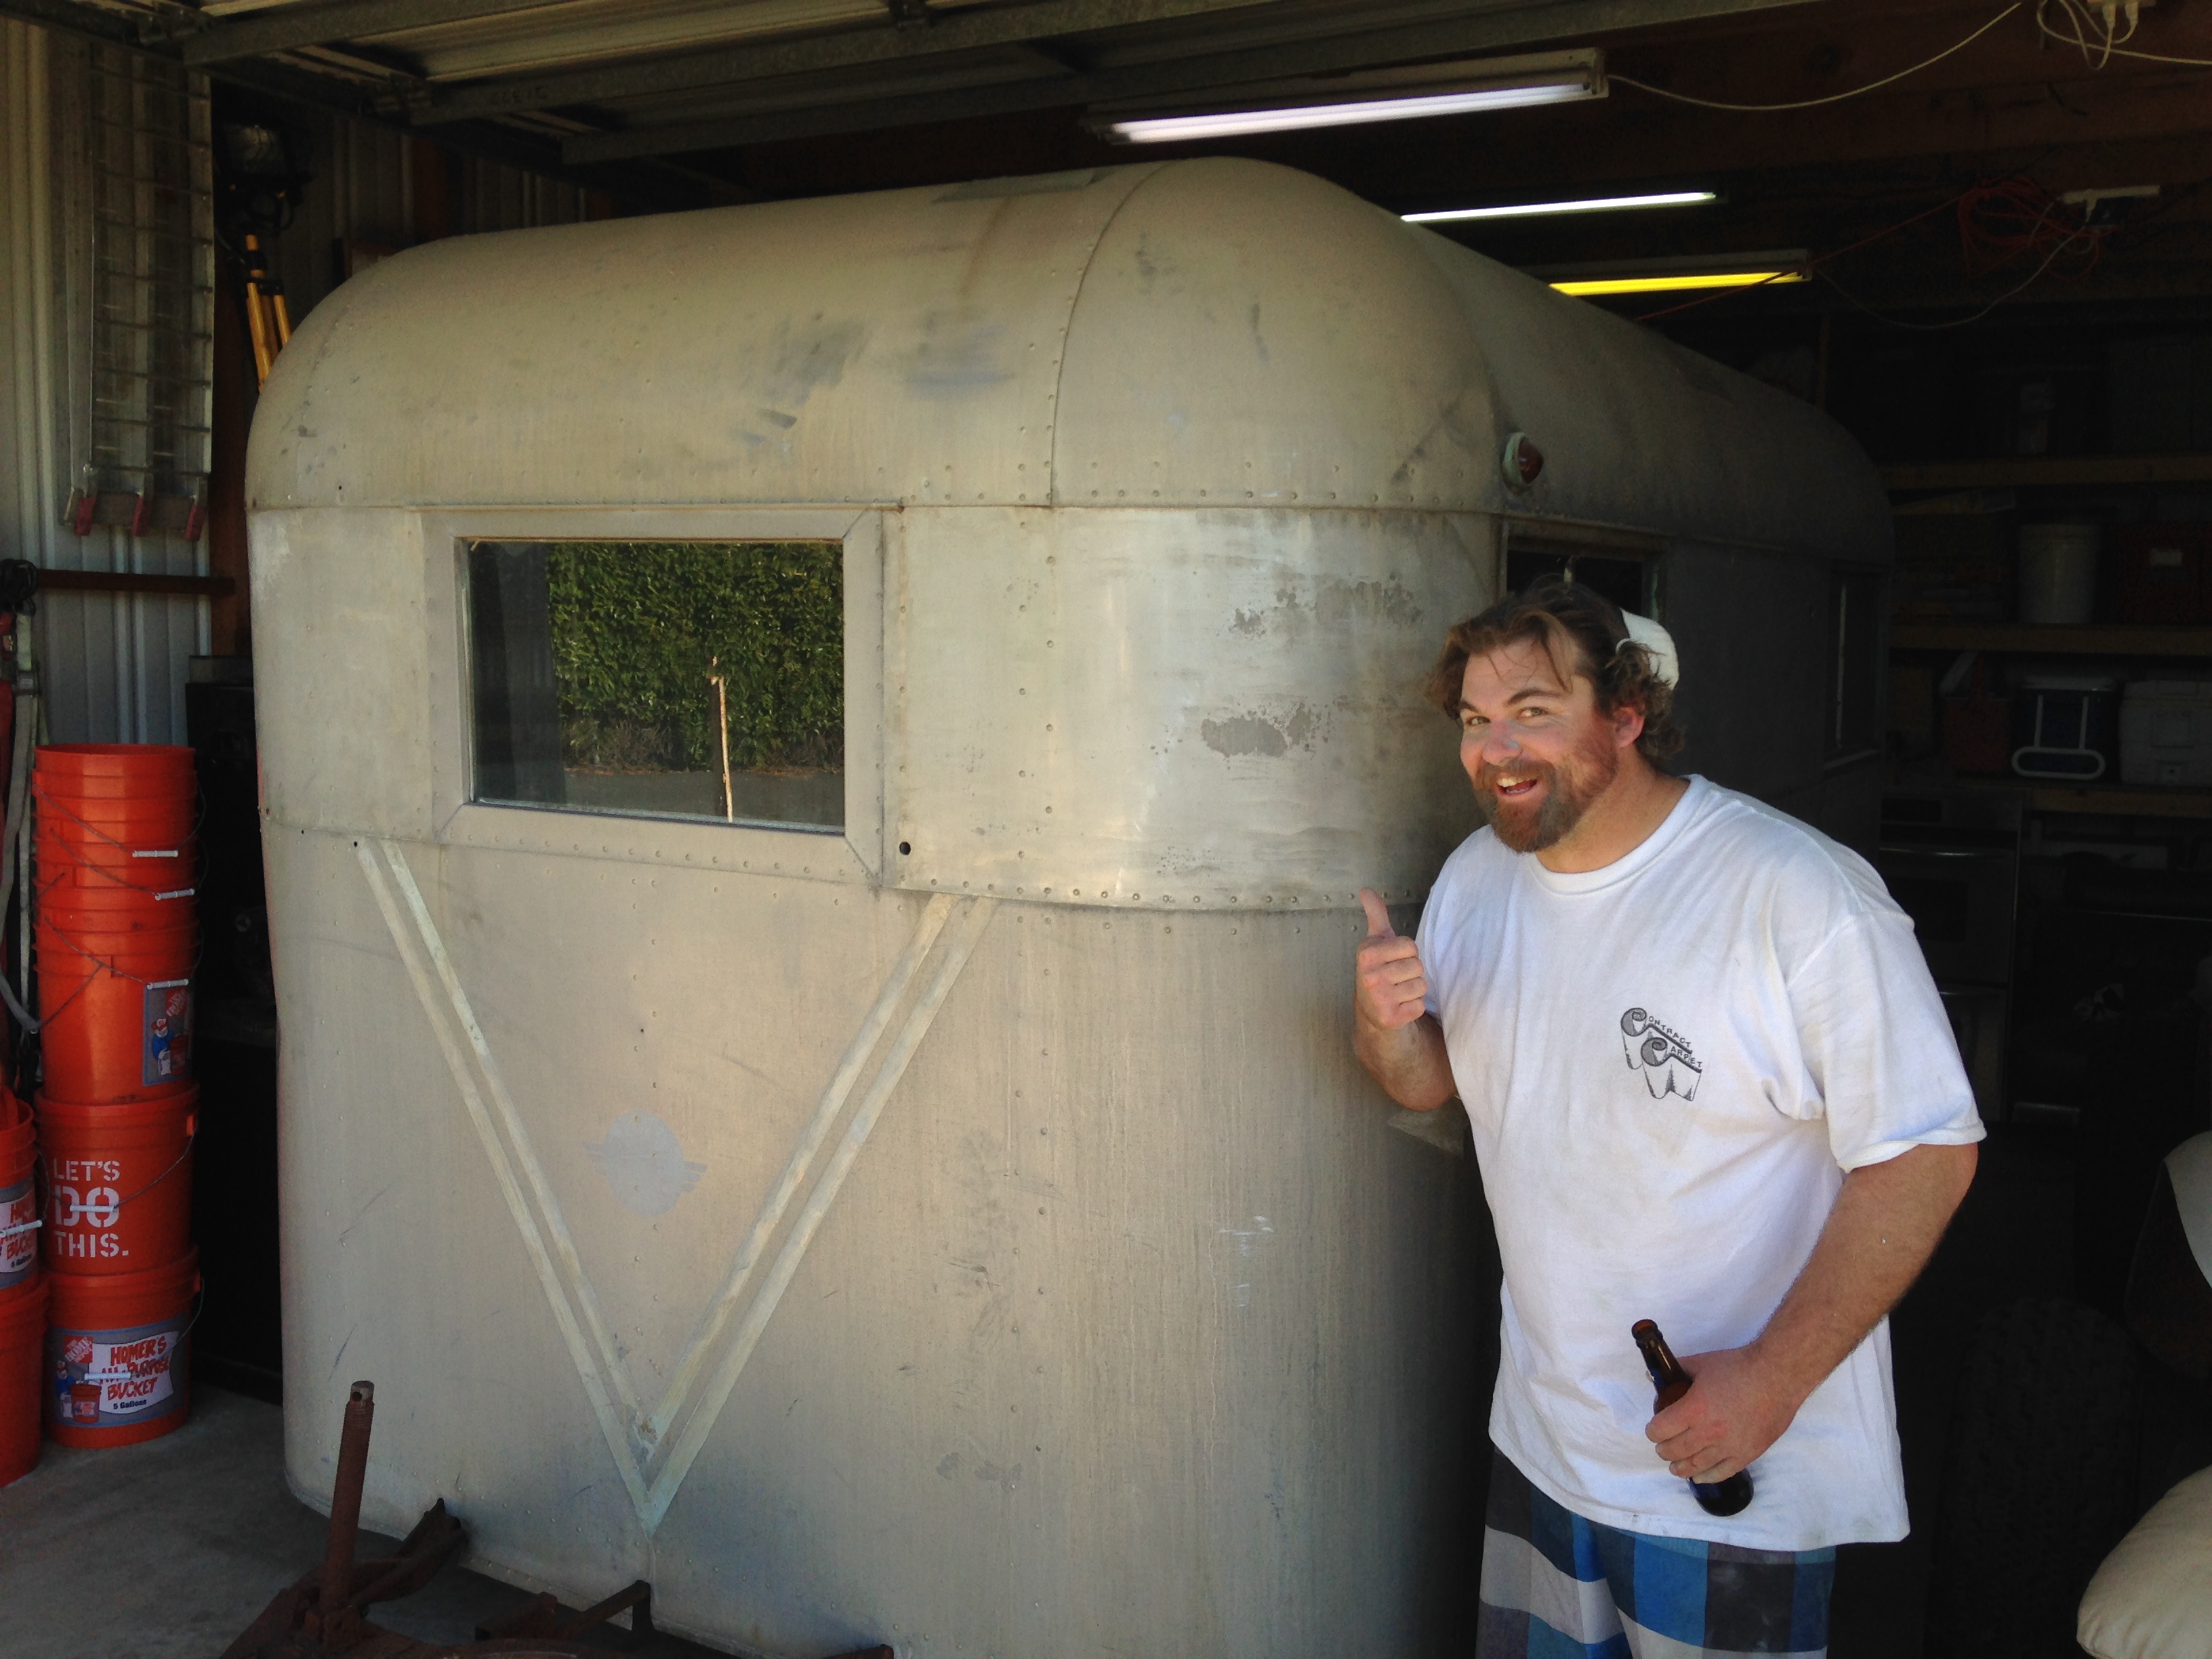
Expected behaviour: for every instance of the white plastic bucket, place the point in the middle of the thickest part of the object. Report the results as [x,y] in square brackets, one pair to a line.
[2058,572]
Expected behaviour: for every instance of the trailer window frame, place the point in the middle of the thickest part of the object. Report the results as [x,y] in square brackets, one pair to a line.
[853,852]
[1855,680]
[1523,542]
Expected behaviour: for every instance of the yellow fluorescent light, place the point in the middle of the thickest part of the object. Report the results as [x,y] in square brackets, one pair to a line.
[1655,284]
[1587,205]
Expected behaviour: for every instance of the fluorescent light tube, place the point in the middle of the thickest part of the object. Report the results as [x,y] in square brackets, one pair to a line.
[1237,124]
[1399,94]
[1669,284]
[1589,204]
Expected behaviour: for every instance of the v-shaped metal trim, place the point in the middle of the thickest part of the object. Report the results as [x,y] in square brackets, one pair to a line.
[654,1451]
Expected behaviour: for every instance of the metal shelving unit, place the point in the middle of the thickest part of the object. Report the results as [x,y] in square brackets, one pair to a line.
[2031,472]
[2033,639]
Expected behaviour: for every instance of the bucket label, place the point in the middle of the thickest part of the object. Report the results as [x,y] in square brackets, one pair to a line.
[19,1233]
[85,1205]
[106,1379]
[167,1049]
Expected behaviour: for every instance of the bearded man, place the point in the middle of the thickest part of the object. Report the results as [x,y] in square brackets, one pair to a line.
[1711,1084]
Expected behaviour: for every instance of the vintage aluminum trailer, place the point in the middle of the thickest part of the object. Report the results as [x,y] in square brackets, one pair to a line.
[959,1223]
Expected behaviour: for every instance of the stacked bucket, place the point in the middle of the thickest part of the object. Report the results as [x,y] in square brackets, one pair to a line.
[118,936]
[23,1293]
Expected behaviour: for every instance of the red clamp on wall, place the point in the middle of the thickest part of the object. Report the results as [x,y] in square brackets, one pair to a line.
[82,510]
[195,518]
[142,515]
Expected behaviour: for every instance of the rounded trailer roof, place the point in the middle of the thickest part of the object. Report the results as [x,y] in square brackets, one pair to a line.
[1202,333]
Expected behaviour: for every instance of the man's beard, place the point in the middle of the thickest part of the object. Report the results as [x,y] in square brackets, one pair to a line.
[1569,791]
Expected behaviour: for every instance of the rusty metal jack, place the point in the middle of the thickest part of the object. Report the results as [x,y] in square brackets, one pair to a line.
[325,1614]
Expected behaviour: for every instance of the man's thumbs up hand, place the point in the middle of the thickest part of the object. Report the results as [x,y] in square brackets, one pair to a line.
[1378,915]
[1393,988]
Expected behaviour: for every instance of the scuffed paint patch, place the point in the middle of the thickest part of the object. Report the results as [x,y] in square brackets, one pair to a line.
[1247,734]
[1257,734]
[957,357]
[1338,600]
[1241,1257]
[800,361]
[1152,264]
[644,1163]
[1176,863]
[994,1474]
[1331,602]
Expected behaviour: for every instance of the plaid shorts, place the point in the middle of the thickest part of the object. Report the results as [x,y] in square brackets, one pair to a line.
[1555,1586]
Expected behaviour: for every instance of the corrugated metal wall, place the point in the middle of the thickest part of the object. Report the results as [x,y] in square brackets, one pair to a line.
[115,665]
[364,190]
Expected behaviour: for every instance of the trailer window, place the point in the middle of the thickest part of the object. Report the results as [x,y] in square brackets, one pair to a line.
[667,679]
[1856,656]
[1623,577]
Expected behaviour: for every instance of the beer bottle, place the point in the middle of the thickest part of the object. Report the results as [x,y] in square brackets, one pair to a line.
[1727,1496]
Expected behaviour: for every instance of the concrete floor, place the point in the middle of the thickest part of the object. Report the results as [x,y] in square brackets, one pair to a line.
[168,1550]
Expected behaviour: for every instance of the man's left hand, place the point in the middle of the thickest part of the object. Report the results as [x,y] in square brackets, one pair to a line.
[1881,1232]
[1734,1410]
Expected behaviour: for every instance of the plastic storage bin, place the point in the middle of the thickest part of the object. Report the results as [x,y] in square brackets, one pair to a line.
[2159,572]
[2065,727]
[2165,733]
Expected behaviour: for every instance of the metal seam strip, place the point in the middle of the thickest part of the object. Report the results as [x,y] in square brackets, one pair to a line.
[594,1368]
[564,1244]
[595,1386]
[976,918]
[803,1154]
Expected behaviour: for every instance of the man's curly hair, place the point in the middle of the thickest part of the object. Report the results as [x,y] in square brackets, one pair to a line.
[1581,632]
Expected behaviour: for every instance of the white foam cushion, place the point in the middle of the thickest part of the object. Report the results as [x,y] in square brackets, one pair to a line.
[2190,1167]
[2152,1599]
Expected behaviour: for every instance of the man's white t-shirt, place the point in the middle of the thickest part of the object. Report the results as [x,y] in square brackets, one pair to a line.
[1669,1063]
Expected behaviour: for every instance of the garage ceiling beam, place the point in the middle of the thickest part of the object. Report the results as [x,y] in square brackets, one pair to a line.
[850,109]
[654,188]
[889,42]
[71,18]
[650,187]
[324,22]
[2011,95]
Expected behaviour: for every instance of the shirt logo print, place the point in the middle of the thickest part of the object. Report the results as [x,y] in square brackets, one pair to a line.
[1664,1056]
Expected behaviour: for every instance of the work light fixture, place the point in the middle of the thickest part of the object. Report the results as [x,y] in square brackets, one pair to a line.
[1585,205]
[1406,94]
[1769,267]
[1589,285]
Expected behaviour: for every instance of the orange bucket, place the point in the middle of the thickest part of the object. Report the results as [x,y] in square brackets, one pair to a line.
[116,1011]
[122,806]
[120,832]
[115,771]
[109,885]
[109,899]
[22,1327]
[19,1196]
[119,1181]
[64,819]
[117,1367]
[151,865]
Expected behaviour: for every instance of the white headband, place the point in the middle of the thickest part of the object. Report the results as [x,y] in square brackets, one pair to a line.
[1657,644]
